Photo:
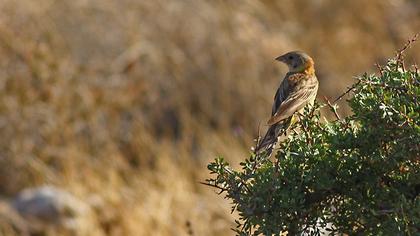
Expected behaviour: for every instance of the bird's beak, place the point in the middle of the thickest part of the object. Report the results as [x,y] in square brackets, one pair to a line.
[280,58]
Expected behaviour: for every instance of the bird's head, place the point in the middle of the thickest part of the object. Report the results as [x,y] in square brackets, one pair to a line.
[298,62]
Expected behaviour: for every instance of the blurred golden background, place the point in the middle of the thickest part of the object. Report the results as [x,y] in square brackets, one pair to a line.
[120,104]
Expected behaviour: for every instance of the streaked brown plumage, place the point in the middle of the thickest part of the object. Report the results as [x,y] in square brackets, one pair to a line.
[298,88]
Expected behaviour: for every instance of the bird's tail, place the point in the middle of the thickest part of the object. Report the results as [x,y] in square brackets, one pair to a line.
[268,142]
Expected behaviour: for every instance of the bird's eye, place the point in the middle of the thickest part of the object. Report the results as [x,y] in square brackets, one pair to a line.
[290,57]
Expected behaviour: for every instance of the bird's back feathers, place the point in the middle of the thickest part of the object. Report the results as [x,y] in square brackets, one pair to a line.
[301,89]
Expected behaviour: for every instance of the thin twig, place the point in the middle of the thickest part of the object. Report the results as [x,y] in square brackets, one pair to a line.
[258,140]
[333,108]
[244,184]
[348,91]
[406,221]
[380,69]
[400,52]
[215,186]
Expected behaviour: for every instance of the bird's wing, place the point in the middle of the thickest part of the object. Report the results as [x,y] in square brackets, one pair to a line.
[301,90]
[281,95]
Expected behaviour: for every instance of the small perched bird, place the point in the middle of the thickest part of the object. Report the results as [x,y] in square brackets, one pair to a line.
[298,88]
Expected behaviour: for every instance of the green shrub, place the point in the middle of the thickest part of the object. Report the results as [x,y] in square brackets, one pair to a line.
[359,175]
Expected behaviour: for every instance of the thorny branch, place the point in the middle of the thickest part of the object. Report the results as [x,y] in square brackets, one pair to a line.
[345,93]
[400,52]
[333,108]
[380,69]
[215,186]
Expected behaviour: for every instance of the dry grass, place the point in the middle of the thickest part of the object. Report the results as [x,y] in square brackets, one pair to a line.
[124,102]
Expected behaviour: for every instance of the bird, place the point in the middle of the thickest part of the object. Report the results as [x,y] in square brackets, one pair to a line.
[298,89]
